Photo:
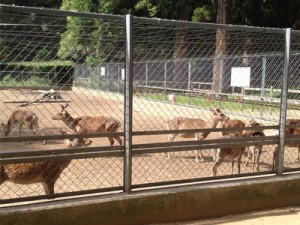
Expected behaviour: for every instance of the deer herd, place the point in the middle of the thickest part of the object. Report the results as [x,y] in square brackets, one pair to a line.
[48,172]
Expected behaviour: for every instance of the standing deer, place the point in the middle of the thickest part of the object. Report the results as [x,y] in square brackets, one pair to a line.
[87,124]
[45,172]
[254,152]
[235,123]
[180,123]
[233,152]
[288,131]
[22,118]
[230,153]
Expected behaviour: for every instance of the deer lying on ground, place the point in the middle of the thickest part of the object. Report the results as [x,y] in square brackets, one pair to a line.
[288,131]
[180,123]
[87,124]
[46,172]
[231,123]
[254,152]
[231,153]
[22,118]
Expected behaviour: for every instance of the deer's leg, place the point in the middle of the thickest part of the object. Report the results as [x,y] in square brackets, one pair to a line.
[171,137]
[258,156]
[49,186]
[298,158]
[111,141]
[37,127]
[118,139]
[215,166]
[249,154]
[214,154]
[197,152]
[232,165]
[239,162]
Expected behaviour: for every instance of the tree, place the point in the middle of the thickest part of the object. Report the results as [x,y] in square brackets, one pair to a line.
[223,13]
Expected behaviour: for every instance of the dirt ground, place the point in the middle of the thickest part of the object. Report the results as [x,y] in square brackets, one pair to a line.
[95,173]
[281,216]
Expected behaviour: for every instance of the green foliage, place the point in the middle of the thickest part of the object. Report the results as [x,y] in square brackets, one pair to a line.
[8,80]
[43,54]
[31,81]
[206,13]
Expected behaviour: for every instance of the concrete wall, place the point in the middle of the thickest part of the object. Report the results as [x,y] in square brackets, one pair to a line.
[164,205]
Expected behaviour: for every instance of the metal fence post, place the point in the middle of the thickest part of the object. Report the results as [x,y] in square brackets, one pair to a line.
[263,83]
[283,106]
[189,81]
[128,106]
[220,82]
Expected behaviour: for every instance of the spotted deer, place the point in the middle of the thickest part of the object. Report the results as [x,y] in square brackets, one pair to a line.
[180,123]
[45,172]
[22,118]
[88,124]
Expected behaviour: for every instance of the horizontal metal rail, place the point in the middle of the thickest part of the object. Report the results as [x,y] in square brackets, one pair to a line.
[197,25]
[56,12]
[60,136]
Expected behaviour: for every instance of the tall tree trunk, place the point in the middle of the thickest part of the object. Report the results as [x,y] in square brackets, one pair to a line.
[222,18]
[251,9]
[180,66]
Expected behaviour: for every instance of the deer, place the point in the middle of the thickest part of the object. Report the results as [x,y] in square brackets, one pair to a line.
[22,118]
[88,124]
[44,172]
[288,131]
[233,152]
[179,123]
[231,123]
[255,151]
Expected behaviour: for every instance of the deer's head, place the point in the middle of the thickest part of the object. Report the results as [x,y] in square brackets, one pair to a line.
[63,114]
[218,115]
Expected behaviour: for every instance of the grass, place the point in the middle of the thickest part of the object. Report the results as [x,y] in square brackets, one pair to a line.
[231,103]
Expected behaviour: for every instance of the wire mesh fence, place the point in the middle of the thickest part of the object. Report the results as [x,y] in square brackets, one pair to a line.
[69,69]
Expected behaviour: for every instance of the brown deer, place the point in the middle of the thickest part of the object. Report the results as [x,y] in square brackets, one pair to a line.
[288,131]
[236,152]
[22,118]
[231,153]
[87,124]
[231,123]
[254,152]
[180,123]
[45,172]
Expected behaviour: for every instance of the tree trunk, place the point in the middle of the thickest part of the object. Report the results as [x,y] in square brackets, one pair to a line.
[251,10]
[222,18]
[180,65]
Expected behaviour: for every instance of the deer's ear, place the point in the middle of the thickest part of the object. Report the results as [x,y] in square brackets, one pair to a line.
[212,110]
[218,110]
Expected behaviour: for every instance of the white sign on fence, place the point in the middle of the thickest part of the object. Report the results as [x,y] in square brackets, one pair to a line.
[103,71]
[123,74]
[240,76]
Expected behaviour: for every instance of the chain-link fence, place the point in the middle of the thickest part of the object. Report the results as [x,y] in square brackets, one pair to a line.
[107,78]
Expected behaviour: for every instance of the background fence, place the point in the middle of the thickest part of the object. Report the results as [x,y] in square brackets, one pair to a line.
[142,73]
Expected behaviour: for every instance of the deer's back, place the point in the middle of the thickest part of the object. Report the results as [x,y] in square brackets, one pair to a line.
[232,124]
[27,173]
[23,117]
[97,124]
[185,123]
